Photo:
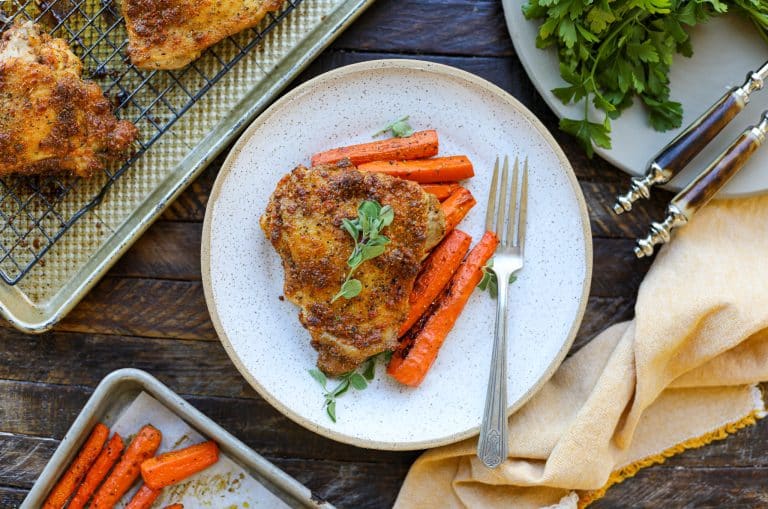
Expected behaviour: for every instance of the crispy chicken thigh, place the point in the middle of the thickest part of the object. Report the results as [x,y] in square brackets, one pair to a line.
[169,34]
[303,221]
[51,120]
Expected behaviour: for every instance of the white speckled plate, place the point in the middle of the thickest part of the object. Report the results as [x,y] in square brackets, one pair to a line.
[243,276]
[725,50]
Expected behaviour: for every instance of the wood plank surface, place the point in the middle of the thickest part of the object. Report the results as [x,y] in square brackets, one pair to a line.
[11,497]
[690,488]
[143,307]
[150,312]
[388,23]
[252,420]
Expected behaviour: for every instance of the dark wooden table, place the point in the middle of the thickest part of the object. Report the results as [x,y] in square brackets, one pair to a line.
[149,312]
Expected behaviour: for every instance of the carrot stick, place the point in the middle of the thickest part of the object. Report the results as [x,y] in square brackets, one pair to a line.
[98,472]
[409,365]
[77,470]
[174,506]
[441,191]
[144,498]
[436,272]
[426,171]
[174,466]
[143,447]
[417,146]
[456,207]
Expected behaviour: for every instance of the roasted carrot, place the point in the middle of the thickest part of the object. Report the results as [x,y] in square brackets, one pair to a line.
[436,272]
[142,447]
[174,466]
[108,457]
[409,365]
[425,171]
[456,207]
[144,498]
[441,191]
[74,475]
[417,146]
[174,506]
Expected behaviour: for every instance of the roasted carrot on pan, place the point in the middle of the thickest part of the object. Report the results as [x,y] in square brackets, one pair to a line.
[143,447]
[439,169]
[410,363]
[174,506]
[441,191]
[419,145]
[76,472]
[144,498]
[456,207]
[174,466]
[436,272]
[101,467]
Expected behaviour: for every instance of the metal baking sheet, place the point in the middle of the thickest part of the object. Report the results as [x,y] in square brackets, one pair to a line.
[94,243]
[116,392]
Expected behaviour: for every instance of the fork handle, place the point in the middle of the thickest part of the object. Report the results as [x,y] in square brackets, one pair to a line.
[492,447]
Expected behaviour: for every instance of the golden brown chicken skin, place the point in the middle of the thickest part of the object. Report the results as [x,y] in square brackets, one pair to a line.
[169,34]
[51,120]
[303,222]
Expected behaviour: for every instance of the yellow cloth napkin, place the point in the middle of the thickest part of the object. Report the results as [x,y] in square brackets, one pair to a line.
[681,374]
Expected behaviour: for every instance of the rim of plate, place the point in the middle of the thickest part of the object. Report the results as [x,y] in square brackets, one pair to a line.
[390,64]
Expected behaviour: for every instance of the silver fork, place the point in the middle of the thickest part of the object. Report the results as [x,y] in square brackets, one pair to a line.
[492,447]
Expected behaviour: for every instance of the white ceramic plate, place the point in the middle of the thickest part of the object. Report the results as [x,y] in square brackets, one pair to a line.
[243,276]
[726,49]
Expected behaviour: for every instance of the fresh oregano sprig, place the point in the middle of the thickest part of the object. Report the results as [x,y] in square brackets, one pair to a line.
[489,281]
[354,379]
[400,128]
[365,230]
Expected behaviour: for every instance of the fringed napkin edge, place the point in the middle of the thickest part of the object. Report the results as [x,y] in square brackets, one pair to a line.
[585,498]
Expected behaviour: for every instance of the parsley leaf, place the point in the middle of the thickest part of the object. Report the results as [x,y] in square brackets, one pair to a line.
[664,115]
[588,133]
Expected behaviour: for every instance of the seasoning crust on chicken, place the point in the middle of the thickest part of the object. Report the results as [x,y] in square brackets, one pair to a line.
[51,120]
[303,222]
[169,34]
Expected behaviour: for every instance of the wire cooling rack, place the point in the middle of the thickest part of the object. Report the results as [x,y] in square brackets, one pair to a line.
[36,212]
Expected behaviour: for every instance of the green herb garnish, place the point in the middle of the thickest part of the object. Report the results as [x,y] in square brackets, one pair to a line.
[489,281]
[358,380]
[615,51]
[400,128]
[365,230]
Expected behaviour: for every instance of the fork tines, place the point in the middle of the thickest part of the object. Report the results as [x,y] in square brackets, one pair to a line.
[514,233]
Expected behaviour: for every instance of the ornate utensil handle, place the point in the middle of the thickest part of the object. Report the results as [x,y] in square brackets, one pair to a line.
[704,187]
[492,447]
[680,151]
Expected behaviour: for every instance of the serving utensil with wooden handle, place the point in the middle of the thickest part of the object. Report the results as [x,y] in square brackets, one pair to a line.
[704,187]
[689,143]
[509,224]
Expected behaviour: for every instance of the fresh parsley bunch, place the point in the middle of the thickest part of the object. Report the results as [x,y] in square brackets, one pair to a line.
[613,52]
